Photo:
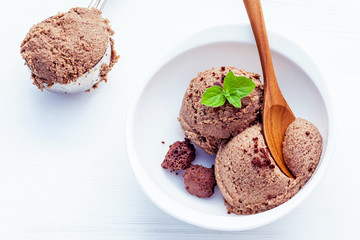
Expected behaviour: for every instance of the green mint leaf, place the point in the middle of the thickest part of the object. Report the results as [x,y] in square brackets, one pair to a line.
[213,97]
[234,98]
[230,81]
[240,83]
[246,85]
[237,87]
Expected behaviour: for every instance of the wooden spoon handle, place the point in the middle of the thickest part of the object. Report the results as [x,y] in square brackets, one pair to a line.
[254,10]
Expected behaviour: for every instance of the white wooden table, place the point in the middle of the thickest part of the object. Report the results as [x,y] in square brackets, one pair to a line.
[64,172]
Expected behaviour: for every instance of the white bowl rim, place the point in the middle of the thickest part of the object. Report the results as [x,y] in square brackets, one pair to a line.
[226,223]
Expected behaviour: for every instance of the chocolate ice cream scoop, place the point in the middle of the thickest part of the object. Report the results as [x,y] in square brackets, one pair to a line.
[302,148]
[248,177]
[209,127]
[70,52]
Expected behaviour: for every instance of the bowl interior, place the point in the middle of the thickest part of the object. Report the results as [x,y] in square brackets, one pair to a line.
[154,113]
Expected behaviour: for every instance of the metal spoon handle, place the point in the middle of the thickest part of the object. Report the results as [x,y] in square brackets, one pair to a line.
[99,4]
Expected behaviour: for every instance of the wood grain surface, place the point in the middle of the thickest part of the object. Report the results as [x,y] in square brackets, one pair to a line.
[71,179]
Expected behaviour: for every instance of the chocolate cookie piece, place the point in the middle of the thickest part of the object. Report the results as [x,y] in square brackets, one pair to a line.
[179,156]
[200,181]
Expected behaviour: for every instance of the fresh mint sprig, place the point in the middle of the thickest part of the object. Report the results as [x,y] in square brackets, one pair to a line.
[235,88]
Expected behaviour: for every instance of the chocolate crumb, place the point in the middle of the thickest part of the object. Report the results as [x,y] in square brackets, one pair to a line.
[272,166]
[307,133]
[222,68]
[162,142]
[213,73]
[256,162]
[223,77]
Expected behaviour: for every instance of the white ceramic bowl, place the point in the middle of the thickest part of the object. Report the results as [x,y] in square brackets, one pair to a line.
[152,118]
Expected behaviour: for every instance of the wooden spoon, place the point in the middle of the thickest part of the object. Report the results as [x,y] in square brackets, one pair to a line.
[277,114]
